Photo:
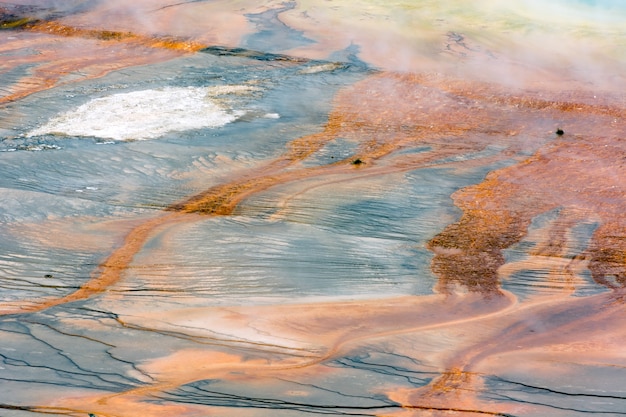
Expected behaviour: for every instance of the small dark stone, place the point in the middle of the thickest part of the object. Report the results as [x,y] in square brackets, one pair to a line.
[48,276]
[560,132]
[357,162]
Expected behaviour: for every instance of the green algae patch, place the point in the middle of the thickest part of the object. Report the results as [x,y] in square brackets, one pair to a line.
[7,23]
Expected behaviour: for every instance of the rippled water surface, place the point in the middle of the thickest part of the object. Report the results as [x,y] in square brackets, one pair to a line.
[312,207]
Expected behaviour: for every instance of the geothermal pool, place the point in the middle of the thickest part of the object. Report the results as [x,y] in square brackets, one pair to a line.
[364,208]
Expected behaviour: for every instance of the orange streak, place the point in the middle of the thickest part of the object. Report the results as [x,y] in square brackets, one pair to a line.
[385,114]
[58,29]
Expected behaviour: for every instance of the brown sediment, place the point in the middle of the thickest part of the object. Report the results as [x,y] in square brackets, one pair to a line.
[470,252]
[584,179]
[608,253]
[379,120]
[388,112]
[581,174]
[364,113]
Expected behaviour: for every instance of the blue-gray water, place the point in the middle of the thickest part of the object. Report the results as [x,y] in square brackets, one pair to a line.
[316,294]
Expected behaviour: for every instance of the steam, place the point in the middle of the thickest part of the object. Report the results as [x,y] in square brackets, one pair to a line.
[515,43]
[510,42]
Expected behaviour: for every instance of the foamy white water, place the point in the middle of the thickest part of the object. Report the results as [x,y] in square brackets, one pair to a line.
[146,114]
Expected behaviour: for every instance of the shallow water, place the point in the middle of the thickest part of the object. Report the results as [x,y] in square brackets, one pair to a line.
[296,208]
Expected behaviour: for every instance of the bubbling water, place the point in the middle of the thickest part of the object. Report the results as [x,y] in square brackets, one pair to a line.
[146,114]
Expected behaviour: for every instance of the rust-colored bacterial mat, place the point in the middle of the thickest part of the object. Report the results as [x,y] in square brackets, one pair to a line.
[299,208]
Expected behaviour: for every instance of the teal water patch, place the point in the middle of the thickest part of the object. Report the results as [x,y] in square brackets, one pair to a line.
[154,174]
[243,261]
[345,393]
[554,272]
[600,4]
[333,151]
[585,389]
[272,34]
[353,238]
[64,176]
[29,271]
